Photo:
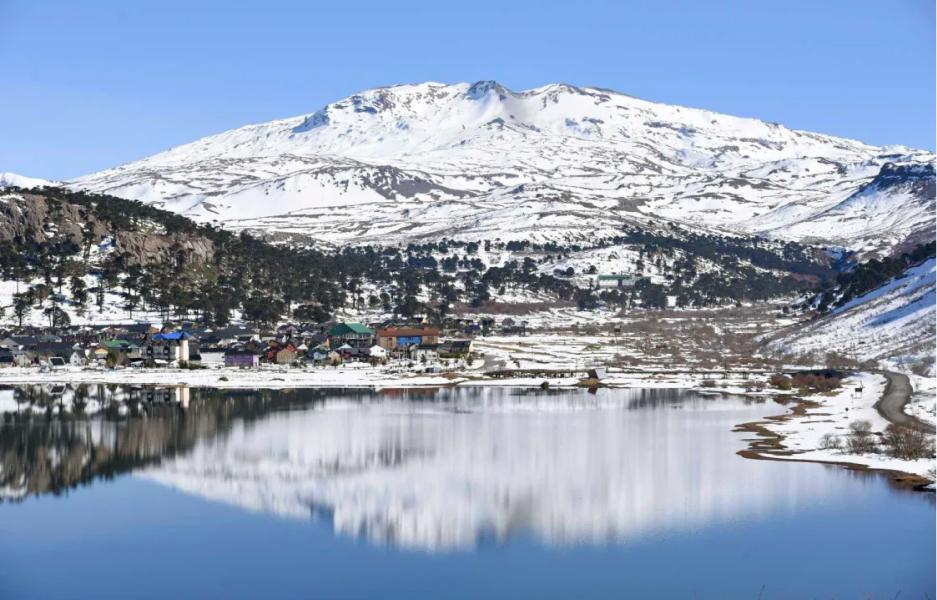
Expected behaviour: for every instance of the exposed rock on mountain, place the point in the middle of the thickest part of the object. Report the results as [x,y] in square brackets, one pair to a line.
[480,161]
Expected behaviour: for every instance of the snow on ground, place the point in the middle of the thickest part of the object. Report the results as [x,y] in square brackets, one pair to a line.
[895,321]
[923,404]
[803,434]
[112,310]
[480,161]
[8,179]
[353,375]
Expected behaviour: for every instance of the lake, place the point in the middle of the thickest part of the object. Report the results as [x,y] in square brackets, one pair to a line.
[110,492]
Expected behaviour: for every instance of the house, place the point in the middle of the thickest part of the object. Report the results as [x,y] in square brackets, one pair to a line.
[400,339]
[286,354]
[172,347]
[288,331]
[99,354]
[226,337]
[345,351]
[6,357]
[425,353]
[456,348]
[79,357]
[319,354]
[124,350]
[313,338]
[355,335]
[511,327]
[241,357]
[59,349]
[620,280]
[25,342]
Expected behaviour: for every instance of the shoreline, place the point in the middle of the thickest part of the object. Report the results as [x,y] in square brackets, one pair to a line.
[363,377]
[768,444]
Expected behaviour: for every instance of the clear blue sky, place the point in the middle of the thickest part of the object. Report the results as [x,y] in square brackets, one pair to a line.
[88,85]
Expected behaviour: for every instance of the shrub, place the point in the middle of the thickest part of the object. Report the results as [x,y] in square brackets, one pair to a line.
[830,442]
[708,383]
[861,440]
[861,427]
[907,443]
[782,382]
[811,383]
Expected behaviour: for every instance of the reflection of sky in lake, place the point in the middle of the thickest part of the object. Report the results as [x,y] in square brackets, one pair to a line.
[565,468]
[504,494]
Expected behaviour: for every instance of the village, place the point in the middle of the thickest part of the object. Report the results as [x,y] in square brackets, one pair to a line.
[425,347]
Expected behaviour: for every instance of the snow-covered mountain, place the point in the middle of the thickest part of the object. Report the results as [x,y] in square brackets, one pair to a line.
[21,181]
[479,161]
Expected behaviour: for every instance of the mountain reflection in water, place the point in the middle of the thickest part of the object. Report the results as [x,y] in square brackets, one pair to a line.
[485,464]
[431,469]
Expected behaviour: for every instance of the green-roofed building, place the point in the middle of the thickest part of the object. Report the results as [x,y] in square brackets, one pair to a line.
[120,345]
[123,349]
[355,335]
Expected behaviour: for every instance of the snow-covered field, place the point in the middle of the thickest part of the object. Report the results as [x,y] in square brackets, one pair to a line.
[836,410]
[923,403]
[354,375]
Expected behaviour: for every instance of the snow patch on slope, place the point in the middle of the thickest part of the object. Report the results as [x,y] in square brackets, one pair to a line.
[8,179]
[491,162]
[895,321]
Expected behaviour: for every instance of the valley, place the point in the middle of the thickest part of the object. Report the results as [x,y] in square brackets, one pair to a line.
[561,229]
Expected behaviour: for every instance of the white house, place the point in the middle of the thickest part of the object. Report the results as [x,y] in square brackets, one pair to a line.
[620,280]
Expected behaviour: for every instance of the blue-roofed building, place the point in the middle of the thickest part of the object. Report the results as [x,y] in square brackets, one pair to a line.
[172,347]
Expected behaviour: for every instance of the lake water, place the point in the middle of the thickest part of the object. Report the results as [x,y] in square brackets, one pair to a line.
[453,493]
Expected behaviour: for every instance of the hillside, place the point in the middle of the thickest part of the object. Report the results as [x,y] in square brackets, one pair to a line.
[551,164]
[894,321]
[76,257]
[69,257]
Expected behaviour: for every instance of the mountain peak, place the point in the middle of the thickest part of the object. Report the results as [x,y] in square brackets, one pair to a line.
[480,89]
[440,159]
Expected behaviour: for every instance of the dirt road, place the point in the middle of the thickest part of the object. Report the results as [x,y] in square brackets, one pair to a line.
[891,405]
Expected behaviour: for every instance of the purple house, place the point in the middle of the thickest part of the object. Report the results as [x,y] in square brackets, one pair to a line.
[241,358]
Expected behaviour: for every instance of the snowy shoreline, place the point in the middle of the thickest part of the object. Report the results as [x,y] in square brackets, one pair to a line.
[796,434]
[352,375]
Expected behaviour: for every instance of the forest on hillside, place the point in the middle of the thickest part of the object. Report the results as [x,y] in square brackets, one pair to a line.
[265,281]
